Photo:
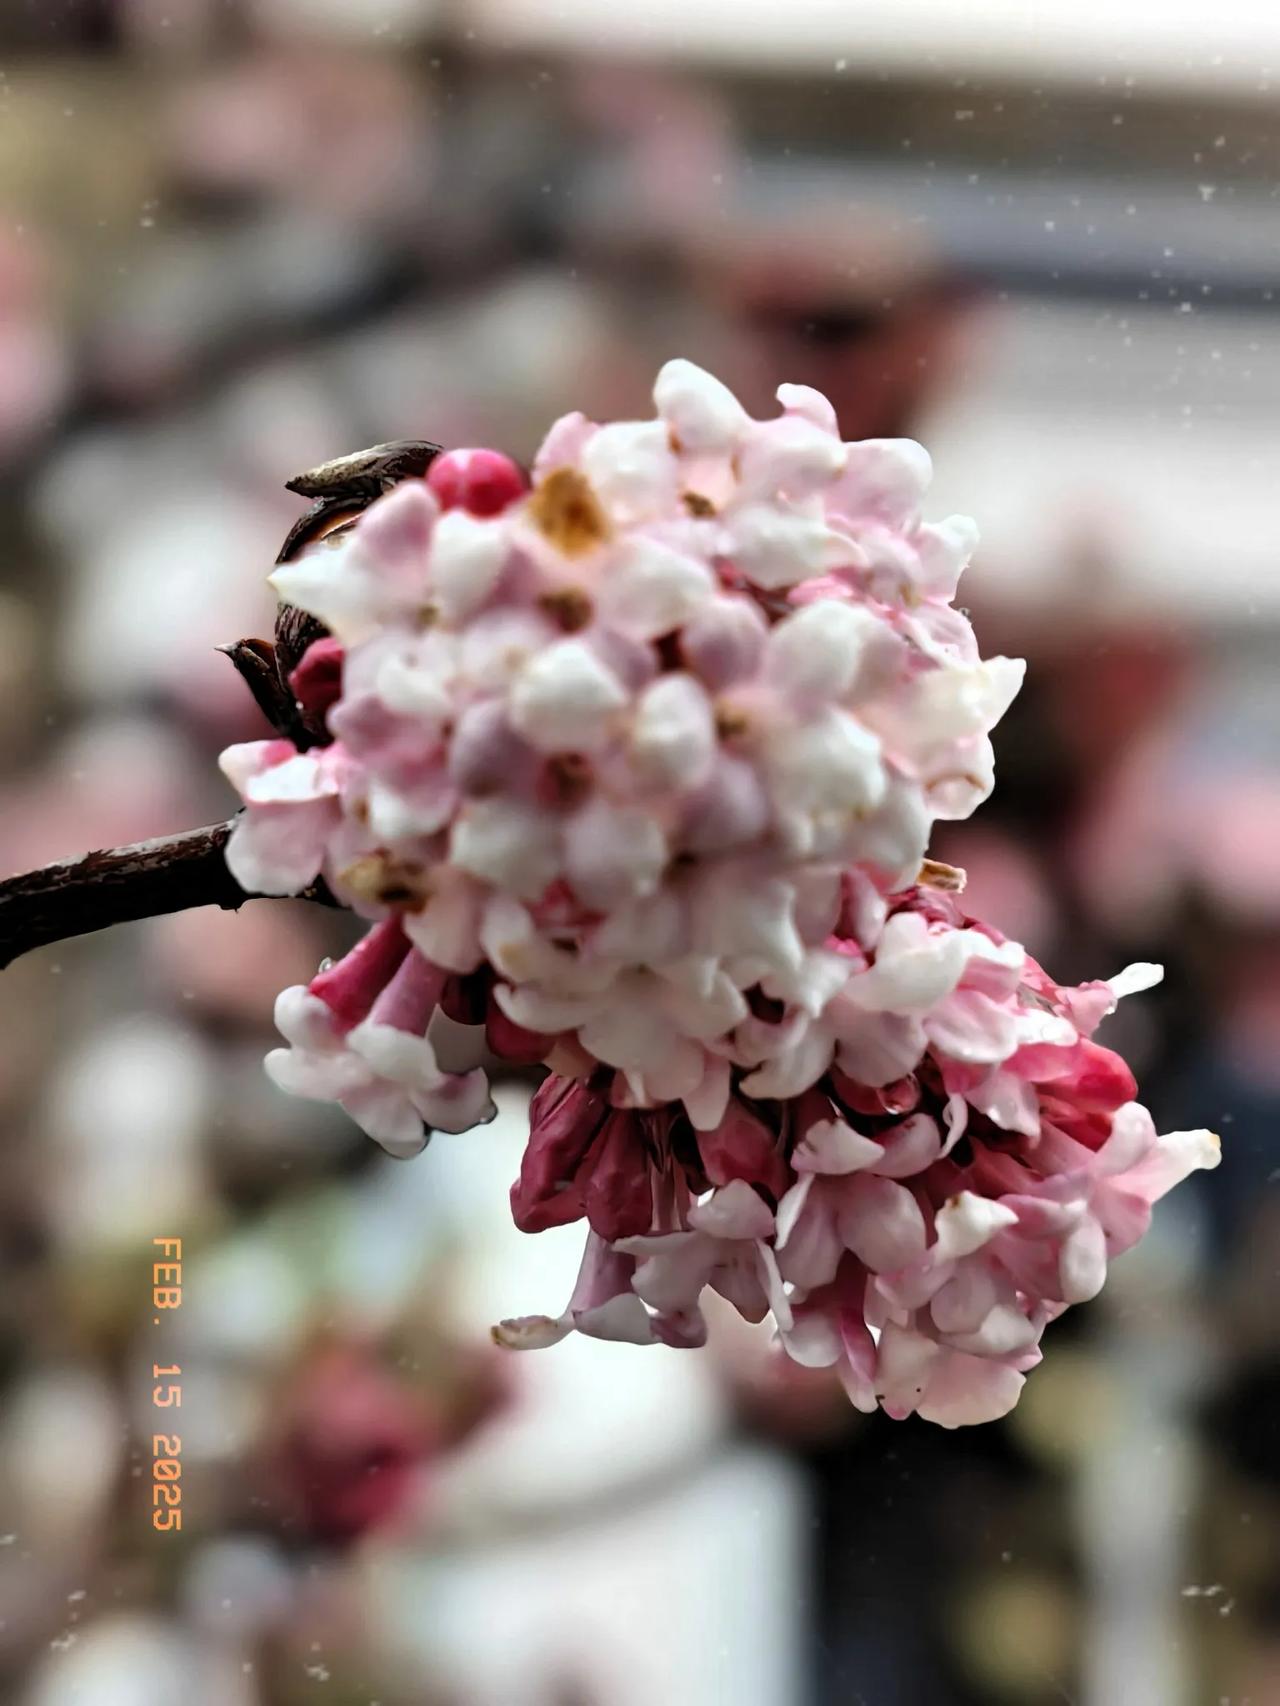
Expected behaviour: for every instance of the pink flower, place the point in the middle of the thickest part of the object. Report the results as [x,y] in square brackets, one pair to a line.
[633,772]
[291,811]
[362,1032]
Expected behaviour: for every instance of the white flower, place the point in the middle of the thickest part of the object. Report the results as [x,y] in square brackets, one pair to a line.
[563,698]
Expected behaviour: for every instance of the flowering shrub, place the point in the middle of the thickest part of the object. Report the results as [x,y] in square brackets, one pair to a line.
[632,771]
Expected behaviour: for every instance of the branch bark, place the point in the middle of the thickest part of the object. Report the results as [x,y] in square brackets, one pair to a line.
[119,885]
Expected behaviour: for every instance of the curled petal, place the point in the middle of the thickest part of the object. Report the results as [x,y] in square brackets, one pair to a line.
[703,414]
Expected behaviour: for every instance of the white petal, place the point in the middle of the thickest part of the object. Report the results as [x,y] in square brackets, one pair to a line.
[673,737]
[707,1102]
[385,1113]
[306,1021]
[775,546]
[704,414]
[1174,1156]
[708,1013]
[794,1069]
[915,967]
[622,1319]
[790,456]
[631,467]
[831,765]
[279,849]
[613,853]
[318,1077]
[1008,1100]
[1005,1332]
[397,1055]
[734,1211]
[771,1280]
[499,644]
[247,759]
[875,1048]
[831,1146]
[956,701]
[538,1010]
[966,1222]
[416,679]
[564,698]
[816,652]
[885,478]
[468,555]
[909,1148]
[328,583]
[944,548]
[811,984]
[812,405]
[965,1301]
[972,1028]
[893,838]
[812,1339]
[1142,974]
[791,1208]
[512,846]
[1082,1261]
[648,589]
[395,532]
[736,916]
[1132,1136]
[296,781]
[724,641]
[903,1364]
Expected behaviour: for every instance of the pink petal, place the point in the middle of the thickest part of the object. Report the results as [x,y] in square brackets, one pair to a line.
[966,1222]
[831,1146]
[881,1222]
[1082,1262]
[703,414]
[909,1148]
[964,1390]
[733,1211]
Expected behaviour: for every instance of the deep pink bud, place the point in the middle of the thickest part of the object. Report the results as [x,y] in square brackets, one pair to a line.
[317,681]
[350,988]
[564,1121]
[743,1147]
[483,482]
[900,1097]
[352,1443]
[619,1194]
[513,1042]
[412,995]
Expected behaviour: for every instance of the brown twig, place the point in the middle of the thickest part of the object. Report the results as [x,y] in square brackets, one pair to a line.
[120,885]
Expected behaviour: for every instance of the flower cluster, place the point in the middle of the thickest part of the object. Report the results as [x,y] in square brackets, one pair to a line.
[958,1170]
[632,770]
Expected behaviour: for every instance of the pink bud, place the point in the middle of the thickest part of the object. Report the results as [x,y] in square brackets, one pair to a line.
[317,681]
[512,1042]
[350,988]
[483,482]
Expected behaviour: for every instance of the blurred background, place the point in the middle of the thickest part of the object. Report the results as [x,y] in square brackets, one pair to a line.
[238,237]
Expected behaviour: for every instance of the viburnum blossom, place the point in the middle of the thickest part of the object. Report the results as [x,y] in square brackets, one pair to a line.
[632,770]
